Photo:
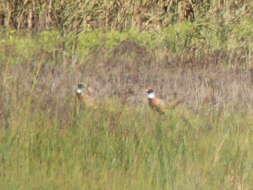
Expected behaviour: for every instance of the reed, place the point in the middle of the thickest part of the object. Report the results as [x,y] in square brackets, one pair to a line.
[83,15]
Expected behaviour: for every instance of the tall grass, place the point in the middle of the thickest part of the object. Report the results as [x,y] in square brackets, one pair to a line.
[83,15]
[142,150]
[49,141]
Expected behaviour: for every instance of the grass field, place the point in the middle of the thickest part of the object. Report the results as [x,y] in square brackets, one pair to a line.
[134,150]
[48,141]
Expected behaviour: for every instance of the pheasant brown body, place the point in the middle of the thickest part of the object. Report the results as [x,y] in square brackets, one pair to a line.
[157,104]
[86,100]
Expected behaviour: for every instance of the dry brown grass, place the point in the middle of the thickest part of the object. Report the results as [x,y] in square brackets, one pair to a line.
[125,74]
[112,14]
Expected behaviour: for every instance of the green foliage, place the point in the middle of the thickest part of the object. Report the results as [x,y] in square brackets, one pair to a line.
[49,40]
[179,36]
[242,34]
[201,36]
[88,42]
[146,39]
[92,41]
[19,47]
[12,44]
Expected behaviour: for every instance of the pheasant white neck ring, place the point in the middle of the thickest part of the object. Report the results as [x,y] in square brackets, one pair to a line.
[151,95]
[79,91]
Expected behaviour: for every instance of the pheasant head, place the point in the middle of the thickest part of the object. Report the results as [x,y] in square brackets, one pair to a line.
[150,93]
[80,89]
[154,102]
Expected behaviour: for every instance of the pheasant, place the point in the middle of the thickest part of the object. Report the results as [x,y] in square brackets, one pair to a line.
[83,97]
[157,104]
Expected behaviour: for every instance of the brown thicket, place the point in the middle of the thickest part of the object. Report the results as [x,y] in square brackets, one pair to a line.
[107,14]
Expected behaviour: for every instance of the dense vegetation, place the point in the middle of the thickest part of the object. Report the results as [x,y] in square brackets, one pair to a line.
[82,15]
[141,151]
[194,29]
[200,50]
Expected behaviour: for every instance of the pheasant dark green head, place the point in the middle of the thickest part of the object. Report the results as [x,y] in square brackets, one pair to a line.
[80,88]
